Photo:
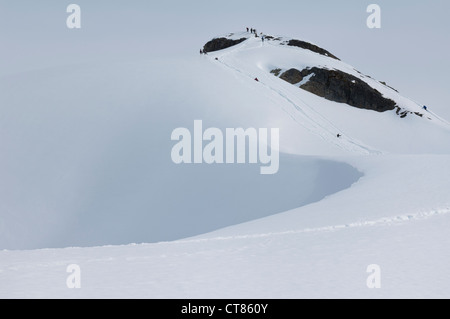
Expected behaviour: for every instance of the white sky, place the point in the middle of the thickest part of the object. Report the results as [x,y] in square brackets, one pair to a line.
[410,51]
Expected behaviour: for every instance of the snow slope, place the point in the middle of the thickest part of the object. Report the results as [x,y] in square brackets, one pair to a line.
[253,58]
[85,161]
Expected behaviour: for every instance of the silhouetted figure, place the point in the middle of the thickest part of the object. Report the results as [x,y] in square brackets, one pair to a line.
[201,51]
[339,136]
[247,29]
[425,108]
[217,59]
[256,79]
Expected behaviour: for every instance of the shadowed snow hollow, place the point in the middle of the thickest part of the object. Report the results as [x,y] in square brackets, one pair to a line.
[92,166]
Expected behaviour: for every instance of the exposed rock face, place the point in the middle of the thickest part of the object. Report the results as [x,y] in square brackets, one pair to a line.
[292,76]
[311,47]
[220,44]
[338,86]
[276,72]
[404,113]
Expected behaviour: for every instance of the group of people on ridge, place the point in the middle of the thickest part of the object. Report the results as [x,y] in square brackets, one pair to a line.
[253,31]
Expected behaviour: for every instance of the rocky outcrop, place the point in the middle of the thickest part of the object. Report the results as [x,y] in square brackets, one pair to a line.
[292,76]
[276,72]
[341,87]
[311,47]
[220,44]
[404,113]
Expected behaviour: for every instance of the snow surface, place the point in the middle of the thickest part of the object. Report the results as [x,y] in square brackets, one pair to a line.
[85,161]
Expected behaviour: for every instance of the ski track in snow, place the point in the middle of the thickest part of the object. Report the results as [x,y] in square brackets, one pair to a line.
[304,114]
[385,221]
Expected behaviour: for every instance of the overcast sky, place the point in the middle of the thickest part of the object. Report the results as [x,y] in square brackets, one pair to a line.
[409,52]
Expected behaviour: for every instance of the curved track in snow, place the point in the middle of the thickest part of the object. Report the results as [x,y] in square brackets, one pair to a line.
[385,221]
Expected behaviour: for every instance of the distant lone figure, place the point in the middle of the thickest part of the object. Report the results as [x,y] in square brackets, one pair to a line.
[339,136]
[425,108]
[247,29]
[201,51]
[256,79]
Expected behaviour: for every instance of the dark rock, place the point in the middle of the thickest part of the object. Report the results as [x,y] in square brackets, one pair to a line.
[292,76]
[311,47]
[341,87]
[269,37]
[276,72]
[220,44]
